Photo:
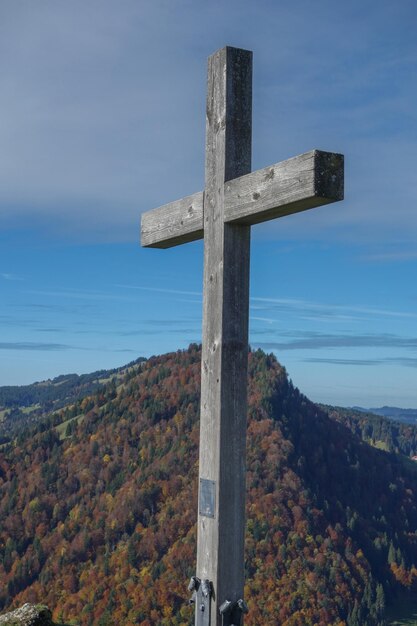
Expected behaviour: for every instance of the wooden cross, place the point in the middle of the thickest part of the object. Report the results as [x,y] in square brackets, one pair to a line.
[223,213]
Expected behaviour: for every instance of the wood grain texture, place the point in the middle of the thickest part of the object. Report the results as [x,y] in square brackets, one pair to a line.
[174,223]
[232,201]
[220,541]
[303,182]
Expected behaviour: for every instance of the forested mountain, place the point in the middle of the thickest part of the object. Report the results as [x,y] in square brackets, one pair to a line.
[21,406]
[378,431]
[408,416]
[98,506]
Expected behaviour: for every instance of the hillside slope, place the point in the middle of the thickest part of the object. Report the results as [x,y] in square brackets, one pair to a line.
[101,523]
[377,430]
[23,406]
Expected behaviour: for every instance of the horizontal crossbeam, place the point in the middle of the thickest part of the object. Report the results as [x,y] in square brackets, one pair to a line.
[303,182]
[178,222]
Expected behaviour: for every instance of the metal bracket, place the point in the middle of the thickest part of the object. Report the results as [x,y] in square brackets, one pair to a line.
[202,593]
[232,612]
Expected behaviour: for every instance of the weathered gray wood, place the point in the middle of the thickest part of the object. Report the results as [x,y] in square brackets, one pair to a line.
[303,182]
[174,223]
[233,200]
[220,541]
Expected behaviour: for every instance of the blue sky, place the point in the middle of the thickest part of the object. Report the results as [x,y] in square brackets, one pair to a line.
[102,117]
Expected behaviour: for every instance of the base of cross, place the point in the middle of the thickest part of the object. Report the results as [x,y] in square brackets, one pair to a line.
[231,612]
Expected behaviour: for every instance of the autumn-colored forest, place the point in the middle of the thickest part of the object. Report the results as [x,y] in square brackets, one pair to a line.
[98,504]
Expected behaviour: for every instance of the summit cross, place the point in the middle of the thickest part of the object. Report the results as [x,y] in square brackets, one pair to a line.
[234,198]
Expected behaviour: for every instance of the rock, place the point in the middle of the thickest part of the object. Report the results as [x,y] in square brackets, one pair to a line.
[28,615]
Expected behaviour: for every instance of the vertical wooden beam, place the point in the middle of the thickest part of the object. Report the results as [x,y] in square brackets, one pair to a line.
[221,520]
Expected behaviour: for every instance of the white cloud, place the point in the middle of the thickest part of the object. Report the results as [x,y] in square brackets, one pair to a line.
[103,108]
[325,310]
[318,341]
[8,276]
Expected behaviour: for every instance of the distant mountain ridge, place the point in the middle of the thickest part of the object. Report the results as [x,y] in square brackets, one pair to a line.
[24,405]
[98,504]
[408,416]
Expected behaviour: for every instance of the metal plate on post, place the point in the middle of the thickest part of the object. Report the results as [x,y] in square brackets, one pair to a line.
[207,497]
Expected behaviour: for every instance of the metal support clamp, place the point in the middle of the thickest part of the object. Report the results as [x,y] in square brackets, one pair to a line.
[202,593]
[232,612]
